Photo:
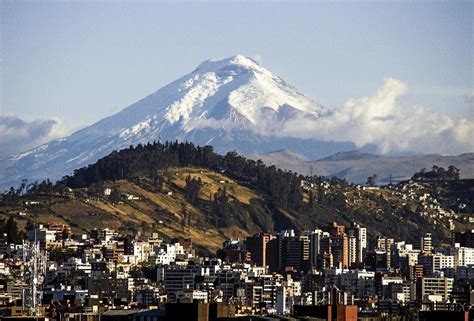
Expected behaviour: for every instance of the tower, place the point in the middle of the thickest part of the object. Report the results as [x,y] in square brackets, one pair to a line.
[35,269]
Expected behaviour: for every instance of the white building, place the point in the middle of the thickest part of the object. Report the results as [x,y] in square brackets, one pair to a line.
[166,254]
[435,262]
[463,256]
[360,234]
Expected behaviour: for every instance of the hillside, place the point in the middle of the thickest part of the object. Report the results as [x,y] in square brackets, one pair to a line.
[151,208]
[178,189]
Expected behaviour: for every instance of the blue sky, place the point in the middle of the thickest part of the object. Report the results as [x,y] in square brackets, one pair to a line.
[77,62]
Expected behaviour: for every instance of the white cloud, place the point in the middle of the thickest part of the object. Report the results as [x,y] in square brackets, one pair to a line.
[17,135]
[381,120]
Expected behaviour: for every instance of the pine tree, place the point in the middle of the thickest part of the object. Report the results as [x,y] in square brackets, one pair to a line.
[114,195]
[13,234]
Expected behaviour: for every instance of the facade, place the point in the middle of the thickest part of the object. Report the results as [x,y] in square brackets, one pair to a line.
[463,256]
[257,246]
[434,289]
[423,243]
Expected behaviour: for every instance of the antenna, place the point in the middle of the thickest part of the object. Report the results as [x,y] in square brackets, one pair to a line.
[35,270]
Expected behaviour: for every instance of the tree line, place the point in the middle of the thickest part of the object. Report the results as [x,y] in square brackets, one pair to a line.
[283,187]
[437,173]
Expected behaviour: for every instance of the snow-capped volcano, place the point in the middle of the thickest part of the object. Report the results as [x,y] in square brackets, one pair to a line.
[233,93]
[232,104]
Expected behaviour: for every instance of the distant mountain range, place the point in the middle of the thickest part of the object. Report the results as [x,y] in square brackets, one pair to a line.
[356,166]
[231,104]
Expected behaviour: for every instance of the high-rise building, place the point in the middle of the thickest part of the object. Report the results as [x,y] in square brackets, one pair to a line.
[339,245]
[325,245]
[336,229]
[315,237]
[376,261]
[273,254]
[360,233]
[352,251]
[385,244]
[340,250]
[435,262]
[423,243]
[295,252]
[463,256]
[257,246]
[416,271]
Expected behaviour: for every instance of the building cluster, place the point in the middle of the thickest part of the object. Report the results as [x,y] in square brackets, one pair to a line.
[104,274]
[430,204]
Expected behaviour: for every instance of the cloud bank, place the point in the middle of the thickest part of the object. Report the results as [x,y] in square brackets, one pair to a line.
[382,121]
[17,135]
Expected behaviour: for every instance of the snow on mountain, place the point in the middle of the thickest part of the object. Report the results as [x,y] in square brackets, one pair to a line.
[232,104]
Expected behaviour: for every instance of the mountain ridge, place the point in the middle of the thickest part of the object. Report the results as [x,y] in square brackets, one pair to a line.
[231,103]
[356,166]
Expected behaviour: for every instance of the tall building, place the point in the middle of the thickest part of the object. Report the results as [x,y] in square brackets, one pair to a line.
[416,271]
[339,245]
[273,254]
[335,229]
[315,237]
[325,258]
[360,234]
[463,256]
[295,252]
[340,250]
[352,251]
[423,243]
[435,262]
[257,246]
[376,261]
[179,279]
[385,244]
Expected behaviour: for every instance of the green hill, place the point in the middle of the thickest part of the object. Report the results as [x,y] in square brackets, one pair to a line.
[178,189]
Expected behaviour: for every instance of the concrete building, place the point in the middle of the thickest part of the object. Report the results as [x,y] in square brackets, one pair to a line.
[360,234]
[463,256]
[435,262]
[434,289]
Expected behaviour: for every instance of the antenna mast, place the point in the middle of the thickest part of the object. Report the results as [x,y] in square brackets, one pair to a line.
[35,269]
